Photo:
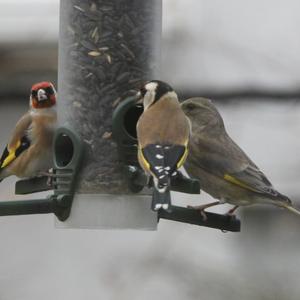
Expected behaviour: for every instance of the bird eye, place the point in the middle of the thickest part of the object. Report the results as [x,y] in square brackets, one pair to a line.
[34,93]
[143,91]
[49,90]
[190,106]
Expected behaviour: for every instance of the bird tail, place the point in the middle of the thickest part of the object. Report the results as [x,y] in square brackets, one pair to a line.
[2,175]
[161,200]
[291,208]
[287,204]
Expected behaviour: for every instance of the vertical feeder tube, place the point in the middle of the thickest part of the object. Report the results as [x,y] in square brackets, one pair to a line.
[106,49]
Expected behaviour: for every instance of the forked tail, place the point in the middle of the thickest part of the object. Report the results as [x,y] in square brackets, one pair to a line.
[286,203]
[161,200]
[292,209]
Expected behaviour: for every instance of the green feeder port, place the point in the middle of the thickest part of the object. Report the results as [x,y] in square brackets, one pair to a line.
[124,122]
[68,153]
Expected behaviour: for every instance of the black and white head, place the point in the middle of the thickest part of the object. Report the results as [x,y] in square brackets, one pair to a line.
[155,90]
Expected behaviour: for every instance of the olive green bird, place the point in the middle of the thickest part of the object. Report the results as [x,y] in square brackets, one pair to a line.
[222,167]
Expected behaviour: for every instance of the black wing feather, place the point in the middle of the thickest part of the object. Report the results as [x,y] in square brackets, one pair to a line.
[4,155]
[163,159]
[24,144]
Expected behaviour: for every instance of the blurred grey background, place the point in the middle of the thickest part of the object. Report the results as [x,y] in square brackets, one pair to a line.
[243,54]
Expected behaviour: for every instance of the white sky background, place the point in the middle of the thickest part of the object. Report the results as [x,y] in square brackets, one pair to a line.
[208,44]
[233,44]
[29,20]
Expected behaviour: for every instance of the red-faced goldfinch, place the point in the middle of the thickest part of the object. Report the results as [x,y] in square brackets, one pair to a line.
[222,167]
[163,135]
[29,151]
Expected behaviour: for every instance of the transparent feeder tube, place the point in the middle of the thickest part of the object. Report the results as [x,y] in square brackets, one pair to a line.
[106,49]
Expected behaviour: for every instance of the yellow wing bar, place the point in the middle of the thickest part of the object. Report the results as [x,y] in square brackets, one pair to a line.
[10,156]
[144,161]
[238,182]
[184,156]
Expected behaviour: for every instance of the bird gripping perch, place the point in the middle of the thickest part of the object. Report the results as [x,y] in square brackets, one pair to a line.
[68,152]
[125,118]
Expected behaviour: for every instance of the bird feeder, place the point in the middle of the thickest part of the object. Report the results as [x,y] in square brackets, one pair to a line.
[106,50]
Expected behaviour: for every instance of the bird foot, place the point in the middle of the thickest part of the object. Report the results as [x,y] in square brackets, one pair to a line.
[49,174]
[231,211]
[201,209]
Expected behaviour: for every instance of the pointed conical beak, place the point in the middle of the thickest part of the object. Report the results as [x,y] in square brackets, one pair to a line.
[41,95]
[139,98]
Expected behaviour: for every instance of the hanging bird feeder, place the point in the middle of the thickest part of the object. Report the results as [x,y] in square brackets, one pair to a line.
[106,49]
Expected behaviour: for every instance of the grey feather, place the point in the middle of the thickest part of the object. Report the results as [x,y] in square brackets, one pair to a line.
[213,154]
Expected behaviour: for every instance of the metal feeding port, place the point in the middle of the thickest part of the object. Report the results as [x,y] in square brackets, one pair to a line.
[68,152]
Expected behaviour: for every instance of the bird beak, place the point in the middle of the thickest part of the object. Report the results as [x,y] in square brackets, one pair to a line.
[139,98]
[41,95]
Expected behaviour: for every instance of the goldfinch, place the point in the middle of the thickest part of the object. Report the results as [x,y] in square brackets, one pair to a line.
[29,151]
[223,169]
[163,135]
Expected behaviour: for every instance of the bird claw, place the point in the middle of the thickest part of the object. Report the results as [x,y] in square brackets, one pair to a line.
[203,214]
[231,211]
[201,210]
[49,181]
[49,174]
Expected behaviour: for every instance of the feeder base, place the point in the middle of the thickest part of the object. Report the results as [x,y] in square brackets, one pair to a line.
[94,211]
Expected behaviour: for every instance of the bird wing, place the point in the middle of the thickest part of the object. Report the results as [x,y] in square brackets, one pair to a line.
[163,159]
[18,142]
[163,133]
[222,157]
[252,179]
